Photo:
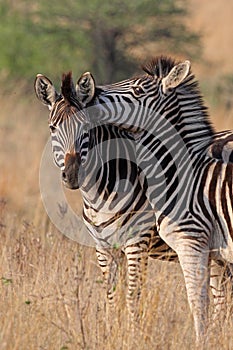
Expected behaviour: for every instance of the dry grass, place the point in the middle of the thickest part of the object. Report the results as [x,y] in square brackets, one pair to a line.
[52,297]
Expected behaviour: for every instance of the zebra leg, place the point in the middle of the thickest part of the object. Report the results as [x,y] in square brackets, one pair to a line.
[220,275]
[137,260]
[109,267]
[194,264]
[217,287]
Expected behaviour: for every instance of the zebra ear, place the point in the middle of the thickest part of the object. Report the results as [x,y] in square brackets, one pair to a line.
[45,91]
[85,88]
[176,76]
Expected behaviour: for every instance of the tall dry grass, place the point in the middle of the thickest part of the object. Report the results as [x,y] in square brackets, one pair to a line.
[52,295]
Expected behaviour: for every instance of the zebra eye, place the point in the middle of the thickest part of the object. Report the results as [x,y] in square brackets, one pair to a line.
[138,90]
[52,128]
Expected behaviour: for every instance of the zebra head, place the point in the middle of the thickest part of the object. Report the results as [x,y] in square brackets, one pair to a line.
[130,103]
[67,127]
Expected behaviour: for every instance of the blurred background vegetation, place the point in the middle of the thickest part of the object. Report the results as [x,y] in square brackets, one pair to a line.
[108,38]
[112,39]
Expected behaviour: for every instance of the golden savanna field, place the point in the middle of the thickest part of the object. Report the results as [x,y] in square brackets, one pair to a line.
[51,291]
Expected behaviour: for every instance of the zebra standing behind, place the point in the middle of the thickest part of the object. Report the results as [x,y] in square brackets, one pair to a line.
[191,193]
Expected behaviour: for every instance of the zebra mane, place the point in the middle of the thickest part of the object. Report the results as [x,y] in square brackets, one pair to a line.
[67,87]
[159,66]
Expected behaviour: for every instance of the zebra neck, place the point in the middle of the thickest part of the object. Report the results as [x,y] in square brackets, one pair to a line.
[183,114]
[170,158]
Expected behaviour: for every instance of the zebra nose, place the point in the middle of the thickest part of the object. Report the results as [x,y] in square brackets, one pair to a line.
[64,177]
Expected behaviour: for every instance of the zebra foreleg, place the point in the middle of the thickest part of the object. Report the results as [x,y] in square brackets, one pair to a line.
[220,275]
[217,288]
[194,264]
[109,267]
[137,260]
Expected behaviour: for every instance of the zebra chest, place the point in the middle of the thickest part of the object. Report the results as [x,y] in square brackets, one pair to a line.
[177,232]
[97,217]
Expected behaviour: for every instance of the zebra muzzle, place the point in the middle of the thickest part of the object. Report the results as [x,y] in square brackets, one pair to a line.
[71,176]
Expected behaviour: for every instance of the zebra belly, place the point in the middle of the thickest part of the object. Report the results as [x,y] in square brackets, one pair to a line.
[116,230]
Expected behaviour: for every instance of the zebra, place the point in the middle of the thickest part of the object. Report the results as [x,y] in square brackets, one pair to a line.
[100,161]
[189,191]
